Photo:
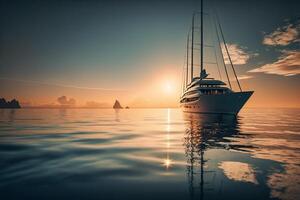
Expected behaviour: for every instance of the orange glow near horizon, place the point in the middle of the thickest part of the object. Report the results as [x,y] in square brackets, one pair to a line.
[157,90]
[160,89]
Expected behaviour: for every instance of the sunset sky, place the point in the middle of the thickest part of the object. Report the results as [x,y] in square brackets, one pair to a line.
[94,52]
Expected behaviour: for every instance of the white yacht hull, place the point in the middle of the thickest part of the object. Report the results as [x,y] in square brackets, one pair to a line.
[229,103]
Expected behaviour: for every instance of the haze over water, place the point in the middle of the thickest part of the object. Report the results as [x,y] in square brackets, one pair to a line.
[149,154]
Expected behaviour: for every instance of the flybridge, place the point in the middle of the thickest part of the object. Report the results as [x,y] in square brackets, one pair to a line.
[203,82]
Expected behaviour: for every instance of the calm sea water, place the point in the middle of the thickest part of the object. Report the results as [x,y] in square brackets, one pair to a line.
[149,154]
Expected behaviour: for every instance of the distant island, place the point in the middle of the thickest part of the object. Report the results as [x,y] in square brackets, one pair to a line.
[117,105]
[9,104]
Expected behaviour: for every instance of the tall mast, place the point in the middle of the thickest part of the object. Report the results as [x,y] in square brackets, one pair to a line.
[201,43]
[192,59]
[187,59]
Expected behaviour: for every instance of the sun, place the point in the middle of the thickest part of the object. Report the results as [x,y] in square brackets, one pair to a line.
[168,88]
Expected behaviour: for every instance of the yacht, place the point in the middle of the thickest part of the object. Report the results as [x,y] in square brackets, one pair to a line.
[202,93]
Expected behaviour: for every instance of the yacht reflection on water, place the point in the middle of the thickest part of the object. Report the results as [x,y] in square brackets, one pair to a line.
[205,132]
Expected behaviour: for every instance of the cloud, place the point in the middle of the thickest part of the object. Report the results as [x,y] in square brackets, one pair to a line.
[287,64]
[244,77]
[283,36]
[64,101]
[238,171]
[238,55]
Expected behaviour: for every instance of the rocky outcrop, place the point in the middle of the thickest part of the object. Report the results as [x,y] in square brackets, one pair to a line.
[9,104]
[117,105]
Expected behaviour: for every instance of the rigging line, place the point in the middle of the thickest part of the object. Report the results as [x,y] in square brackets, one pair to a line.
[218,65]
[183,82]
[197,49]
[183,73]
[210,62]
[228,53]
[222,54]
[183,77]
[205,63]
[192,53]
[201,38]
[204,45]
[187,59]
[215,52]
[197,12]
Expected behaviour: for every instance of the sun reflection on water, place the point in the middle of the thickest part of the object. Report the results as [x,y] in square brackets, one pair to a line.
[167,162]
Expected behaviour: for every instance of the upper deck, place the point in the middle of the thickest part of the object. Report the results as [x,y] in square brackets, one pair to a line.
[207,82]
